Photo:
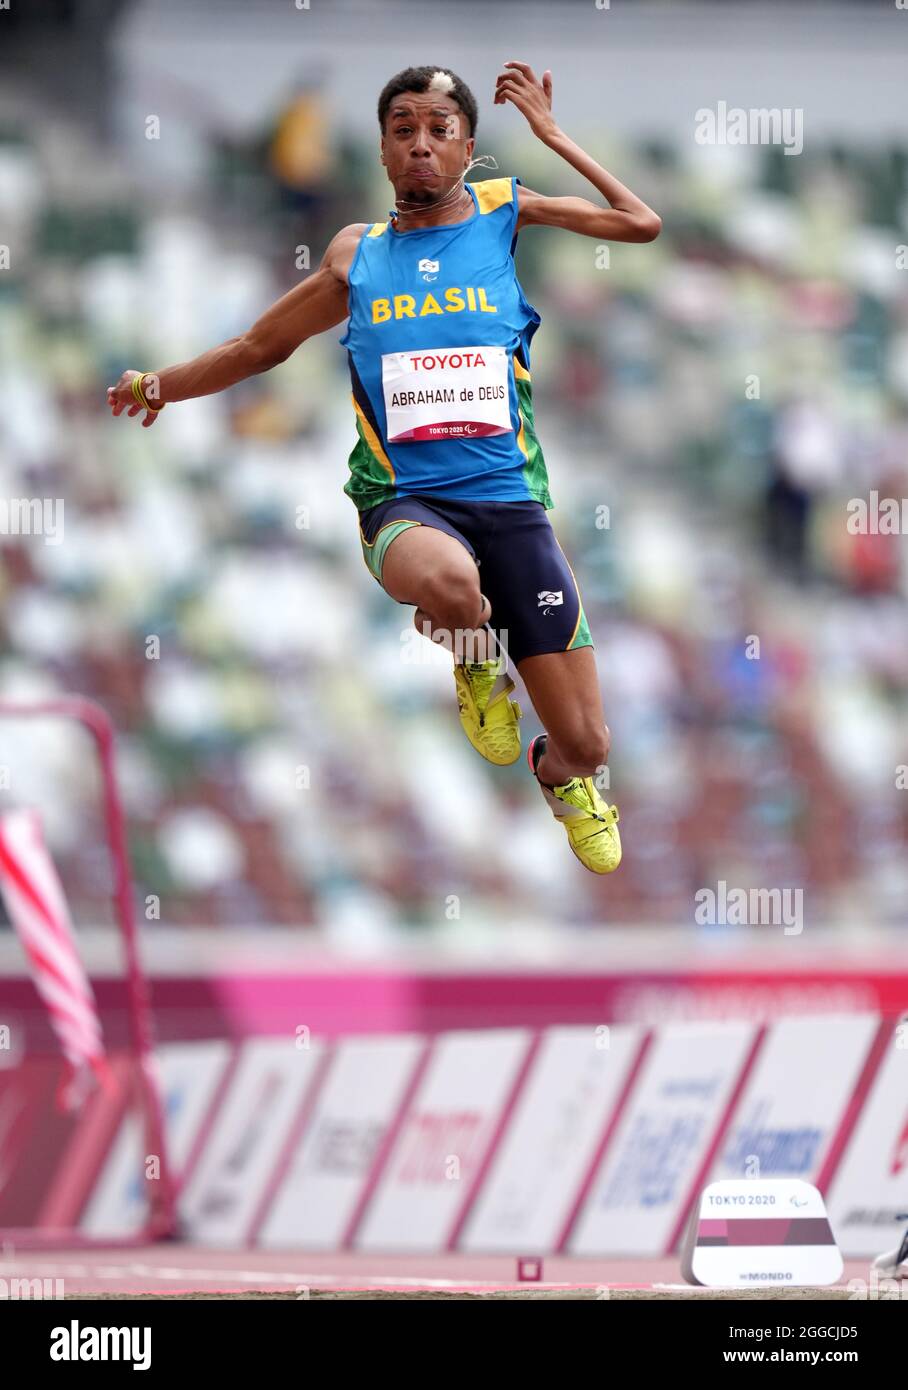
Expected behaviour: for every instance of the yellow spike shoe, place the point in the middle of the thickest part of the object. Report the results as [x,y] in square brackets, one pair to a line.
[591,825]
[489,721]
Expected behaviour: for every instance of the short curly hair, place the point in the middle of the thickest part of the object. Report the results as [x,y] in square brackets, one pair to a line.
[420,80]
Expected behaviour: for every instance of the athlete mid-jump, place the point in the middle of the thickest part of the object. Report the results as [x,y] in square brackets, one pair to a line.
[447,473]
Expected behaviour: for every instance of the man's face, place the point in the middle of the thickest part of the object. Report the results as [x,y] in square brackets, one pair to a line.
[425,140]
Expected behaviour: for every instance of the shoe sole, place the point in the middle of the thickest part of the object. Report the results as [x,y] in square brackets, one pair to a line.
[589,868]
[496,762]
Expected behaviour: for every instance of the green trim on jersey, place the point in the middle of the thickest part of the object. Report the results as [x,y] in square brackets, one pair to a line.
[369,482]
[535,474]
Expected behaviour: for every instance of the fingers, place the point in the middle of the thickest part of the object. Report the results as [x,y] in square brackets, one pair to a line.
[130,405]
[519,79]
[513,75]
[508,92]
[523,69]
[116,401]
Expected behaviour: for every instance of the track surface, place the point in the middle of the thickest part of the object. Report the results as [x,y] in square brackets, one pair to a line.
[195,1272]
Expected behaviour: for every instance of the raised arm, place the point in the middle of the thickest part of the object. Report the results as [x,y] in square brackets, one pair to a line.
[626,219]
[315,305]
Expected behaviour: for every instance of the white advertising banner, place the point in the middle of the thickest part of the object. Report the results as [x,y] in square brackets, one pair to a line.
[443,1140]
[662,1140]
[190,1074]
[228,1183]
[868,1196]
[795,1098]
[358,1102]
[551,1141]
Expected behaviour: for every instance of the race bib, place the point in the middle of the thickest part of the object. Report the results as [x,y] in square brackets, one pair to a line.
[446,393]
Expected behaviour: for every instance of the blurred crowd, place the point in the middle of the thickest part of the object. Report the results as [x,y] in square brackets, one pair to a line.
[289,754]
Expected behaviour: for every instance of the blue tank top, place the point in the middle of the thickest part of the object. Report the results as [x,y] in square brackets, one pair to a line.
[438,345]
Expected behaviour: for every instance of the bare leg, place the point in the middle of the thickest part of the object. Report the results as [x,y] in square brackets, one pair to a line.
[435,572]
[564,689]
[466,644]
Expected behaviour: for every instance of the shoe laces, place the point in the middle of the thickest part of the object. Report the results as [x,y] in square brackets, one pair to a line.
[482,676]
[579,792]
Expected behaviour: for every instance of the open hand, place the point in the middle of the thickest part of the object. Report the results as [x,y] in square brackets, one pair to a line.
[518,83]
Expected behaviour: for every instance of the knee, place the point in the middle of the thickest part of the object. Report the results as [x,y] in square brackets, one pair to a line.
[453,600]
[585,749]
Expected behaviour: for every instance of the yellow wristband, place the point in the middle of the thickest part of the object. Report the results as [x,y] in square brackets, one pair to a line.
[140,394]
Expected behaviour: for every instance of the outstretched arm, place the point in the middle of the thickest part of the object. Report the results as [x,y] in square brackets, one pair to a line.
[315,305]
[626,219]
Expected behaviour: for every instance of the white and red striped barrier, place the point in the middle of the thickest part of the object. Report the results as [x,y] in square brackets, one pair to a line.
[37,909]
